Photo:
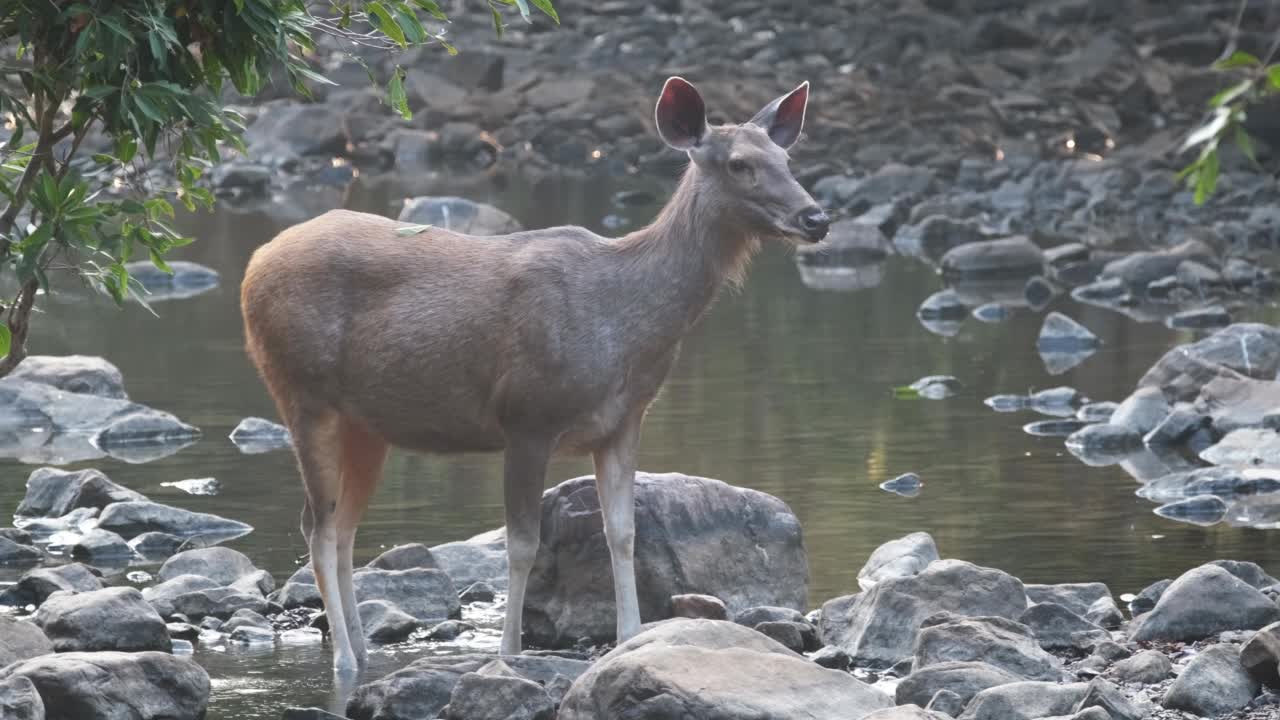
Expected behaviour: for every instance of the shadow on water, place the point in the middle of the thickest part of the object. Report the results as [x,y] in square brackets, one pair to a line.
[786,387]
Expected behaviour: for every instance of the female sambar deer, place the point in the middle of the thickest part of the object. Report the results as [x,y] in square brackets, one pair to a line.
[534,343]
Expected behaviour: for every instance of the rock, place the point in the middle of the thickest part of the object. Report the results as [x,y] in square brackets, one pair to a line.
[1234,402]
[21,640]
[130,519]
[1104,695]
[1148,667]
[851,240]
[220,602]
[1201,603]
[37,585]
[1214,316]
[99,545]
[161,596]
[1024,701]
[448,630]
[906,485]
[311,713]
[1250,349]
[156,544]
[1214,683]
[477,696]
[679,521]
[459,215]
[832,657]
[879,627]
[405,557]
[14,555]
[1145,601]
[904,557]
[109,685]
[905,712]
[1057,628]
[1203,510]
[149,427]
[1076,597]
[1111,651]
[992,313]
[765,613]
[222,565]
[1142,411]
[965,679]
[1097,412]
[1103,437]
[1061,334]
[423,688]
[195,486]
[1182,421]
[244,618]
[788,634]
[942,313]
[252,635]
[52,492]
[426,595]
[115,618]
[1251,573]
[936,387]
[1004,644]
[692,605]
[1105,613]
[258,435]
[19,700]
[477,592]
[83,374]
[892,182]
[1246,447]
[481,559]
[384,623]
[946,702]
[1260,656]
[707,668]
[16,535]
[1016,256]
[1142,268]
[188,279]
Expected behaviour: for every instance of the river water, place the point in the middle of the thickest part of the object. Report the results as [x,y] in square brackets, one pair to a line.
[783,388]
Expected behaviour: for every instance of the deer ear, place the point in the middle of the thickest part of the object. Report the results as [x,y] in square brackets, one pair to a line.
[783,118]
[681,115]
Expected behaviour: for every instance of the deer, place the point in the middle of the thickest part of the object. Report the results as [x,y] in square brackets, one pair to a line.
[535,344]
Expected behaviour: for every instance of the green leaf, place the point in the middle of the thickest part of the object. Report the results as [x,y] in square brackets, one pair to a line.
[306,72]
[1207,178]
[432,9]
[395,91]
[158,206]
[1210,130]
[385,22]
[1245,143]
[1273,74]
[126,148]
[547,9]
[97,92]
[1231,93]
[1238,58]
[905,392]
[410,230]
[6,340]
[159,262]
[409,23]
[497,20]
[148,108]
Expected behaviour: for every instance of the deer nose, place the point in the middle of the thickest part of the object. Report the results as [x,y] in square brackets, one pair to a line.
[814,222]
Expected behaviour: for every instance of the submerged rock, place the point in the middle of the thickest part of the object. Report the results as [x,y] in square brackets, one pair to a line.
[1215,316]
[139,686]
[257,435]
[195,486]
[1053,428]
[906,485]
[1204,510]
[188,279]
[705,668]
[936,387]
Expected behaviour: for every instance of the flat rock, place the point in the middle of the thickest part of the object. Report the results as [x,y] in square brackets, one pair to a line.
[258,435]
[21,640]
[52,492]
[708,668]
[1214,683]
[964,678]
[109,685]
[116,618]
[130,519]
[1204,602]
[1244,448]
[680,521]
[904,557]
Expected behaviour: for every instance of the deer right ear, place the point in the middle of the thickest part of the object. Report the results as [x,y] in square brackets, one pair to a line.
[681,115]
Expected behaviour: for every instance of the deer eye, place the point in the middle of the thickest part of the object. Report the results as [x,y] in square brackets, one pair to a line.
[738,166]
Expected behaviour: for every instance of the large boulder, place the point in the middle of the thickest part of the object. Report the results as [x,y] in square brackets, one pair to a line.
[222,565]
[879,626]
[1260,656]
[1249,349]
[496,692]
[84,374]
[426,595]
[1057,628]
[21,640]
[129,519]
[715,670]
[903,557]
[52,492]
[161,596]
[116,685]
[1232,402]
[19,700]
[116,618]
[1202,603]
[459,215]
[14,554]
[1025,701]
[1214,683]
[33,587]
[1092,601]
[996,641]
[482,558]
[965,679]
[693,535]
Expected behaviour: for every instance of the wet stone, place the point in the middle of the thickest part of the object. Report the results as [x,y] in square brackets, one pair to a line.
[1201,510]
[906,485]
[698,606]
[477,592]
[1199,318]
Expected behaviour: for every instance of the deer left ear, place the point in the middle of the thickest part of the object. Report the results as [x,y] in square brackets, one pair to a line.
[783,118]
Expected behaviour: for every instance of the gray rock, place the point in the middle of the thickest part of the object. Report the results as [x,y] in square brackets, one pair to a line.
[252,635]
[1204,602]
[1260,656]
[1105,613]
[905,712]
[1246,447]
[1145,601]
[188,279]
[100,545]
[14,555]
[965,679]
[16,535]
[311,713]
[244,618]
[790,635]
[999,642]
[21,640]
[707,668]
[679,521]
[19,700]
[220,602]
[1061,334]
[426,595]
[1251,573]
[906,485]
[946,702]
[1104,695]
[692,605]
[130,519]
[1104,437]
[904,557]
[137,686]
[195,486]
[52,492]
[1076,597]
[156,544]
[1249,349]
[161,596]
[1140,269]
[144,427]
[753,616]
[477,592]
[1213,683]
[992,312]
[258,435]
[115,618]
[832,657]
[37,585]
[222,565]
[1016,256]
[1182,421]
[448,630]
[384,623]
[892,182]
[879,627]
[1213,316]
[1233,402]
[1057,628]
[1097,412]
[936,387]
[1142,411]
[480,559]
[1203,510]
[84,374]
[405,557]
[1148,667]
[477,696]
[1025,701]
[459,215]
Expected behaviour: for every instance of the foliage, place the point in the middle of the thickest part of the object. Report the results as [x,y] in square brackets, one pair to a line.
[1228,111]
[148,76]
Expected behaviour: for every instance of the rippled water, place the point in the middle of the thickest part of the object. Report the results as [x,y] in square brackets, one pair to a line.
[783,389]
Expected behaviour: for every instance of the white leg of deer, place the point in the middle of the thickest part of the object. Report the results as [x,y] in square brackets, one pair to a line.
[524,472]
[615,483]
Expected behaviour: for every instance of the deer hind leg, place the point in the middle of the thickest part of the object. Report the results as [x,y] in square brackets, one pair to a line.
[524,472]
[363,455]
[316,443]
[615,483]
